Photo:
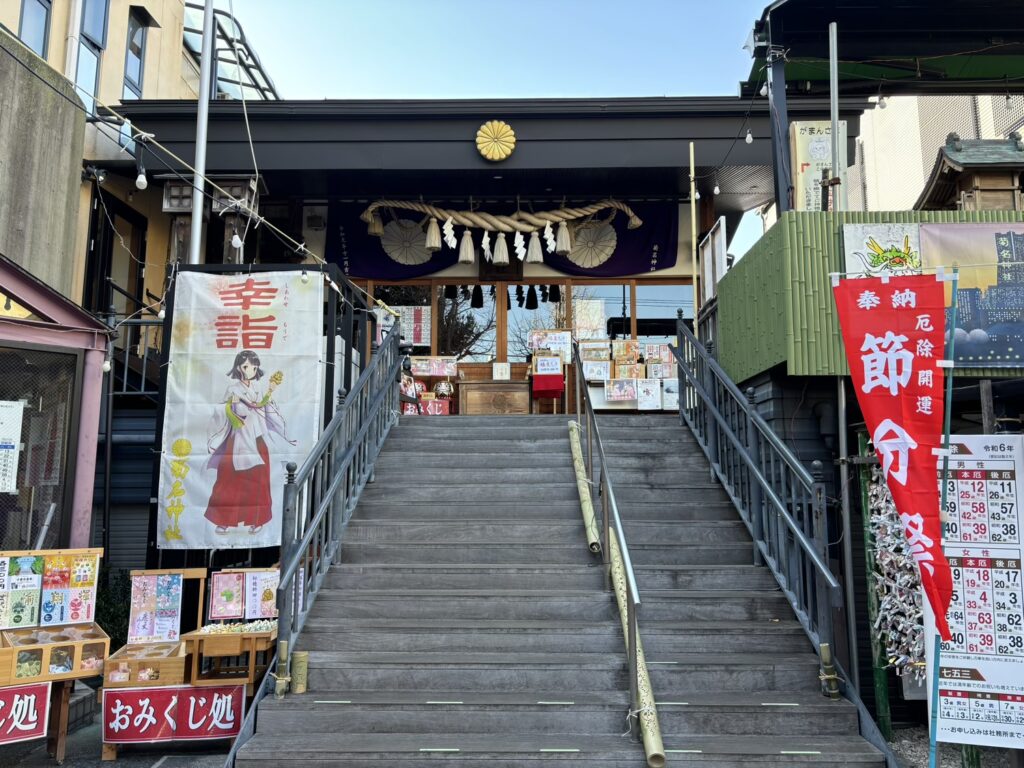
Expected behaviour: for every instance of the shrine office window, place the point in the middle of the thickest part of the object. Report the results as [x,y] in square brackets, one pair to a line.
[34,29]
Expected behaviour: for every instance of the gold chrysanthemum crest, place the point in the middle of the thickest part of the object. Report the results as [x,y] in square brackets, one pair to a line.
[495,140]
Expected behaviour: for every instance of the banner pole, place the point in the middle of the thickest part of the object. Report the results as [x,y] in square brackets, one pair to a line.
[934,724]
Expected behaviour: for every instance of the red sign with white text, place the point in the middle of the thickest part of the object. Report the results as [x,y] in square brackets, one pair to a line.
[894,333]
[24,712]
[174,713]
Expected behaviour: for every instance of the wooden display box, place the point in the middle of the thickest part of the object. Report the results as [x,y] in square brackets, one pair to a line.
[38,654]
[234,656]
[135,666]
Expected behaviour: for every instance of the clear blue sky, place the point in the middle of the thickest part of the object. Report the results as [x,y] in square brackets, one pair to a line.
[378,49]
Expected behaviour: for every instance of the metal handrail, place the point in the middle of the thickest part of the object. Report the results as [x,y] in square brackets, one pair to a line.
[320,495]
[609,520]
[780,502]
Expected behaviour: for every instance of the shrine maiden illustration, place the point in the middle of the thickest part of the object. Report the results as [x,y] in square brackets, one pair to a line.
[243,434]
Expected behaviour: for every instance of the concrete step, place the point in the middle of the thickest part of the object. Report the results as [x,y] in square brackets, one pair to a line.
[713,605]
[327,750]
[461,635]
[468,531]
[730,577]
[704,531]
[533,605]
[488,553]
[443,671]
[745,713]
[809,751]
[396,712]
[666,638]
[457,576]
[680,677]
[374,510]
[691,554]
[482,491]
[390,460]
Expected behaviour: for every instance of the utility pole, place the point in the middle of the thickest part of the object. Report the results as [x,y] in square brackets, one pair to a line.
[202,120]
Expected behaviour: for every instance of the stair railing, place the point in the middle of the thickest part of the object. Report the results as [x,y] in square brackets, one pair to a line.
[611,523]
[782,504]
[320,495]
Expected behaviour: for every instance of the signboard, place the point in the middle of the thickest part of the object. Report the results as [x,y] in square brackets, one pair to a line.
[588,318]
[414,321]
[261,594]
[893,332]
[173,713]
[24,712]
[981,679]
[155,611]
[713,251]
[873,250]
[11,412]
[648,395]
[811,150]
[48,587]
[557,341]
[227,596]
[244,398]
[434,366]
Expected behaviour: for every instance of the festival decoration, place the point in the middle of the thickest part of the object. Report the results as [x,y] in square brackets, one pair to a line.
[520,245]
[485,245]
[549,237]
[893,333]
[449,232]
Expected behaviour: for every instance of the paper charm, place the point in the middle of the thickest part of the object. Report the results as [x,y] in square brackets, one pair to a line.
[549,237]
[449,233]
[520,244]
[485,245]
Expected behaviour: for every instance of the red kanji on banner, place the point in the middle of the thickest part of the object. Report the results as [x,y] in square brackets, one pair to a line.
[24,712]
[252,332]
[245,296]
[893,333]
[173,713]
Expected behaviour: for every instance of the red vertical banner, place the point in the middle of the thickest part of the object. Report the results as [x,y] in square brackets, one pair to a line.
[894,334]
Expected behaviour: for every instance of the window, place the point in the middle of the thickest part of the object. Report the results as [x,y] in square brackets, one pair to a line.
[94,22]
[88,74]
[135,57]
[35,25]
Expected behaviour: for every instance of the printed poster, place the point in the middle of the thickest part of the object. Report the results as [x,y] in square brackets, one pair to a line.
[981,669]
[11,412]
[811,153]
[84,574]
[648,395]
[618,390]
[155,614]
[557,341]
[670,394]
[261,594]
[874,250]
[56,600]
[227,596]
[23,589]
[244,398]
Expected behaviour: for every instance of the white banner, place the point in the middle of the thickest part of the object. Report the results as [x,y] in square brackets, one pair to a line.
[244,398]
[981,675]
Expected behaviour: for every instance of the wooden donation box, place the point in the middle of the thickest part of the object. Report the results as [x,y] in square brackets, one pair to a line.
[479,398]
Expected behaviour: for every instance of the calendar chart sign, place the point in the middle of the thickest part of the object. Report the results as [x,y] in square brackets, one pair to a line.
[981,677]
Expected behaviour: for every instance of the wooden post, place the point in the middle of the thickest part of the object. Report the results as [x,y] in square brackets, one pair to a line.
[501,321]
[60,700]
[988,408]
[632,309]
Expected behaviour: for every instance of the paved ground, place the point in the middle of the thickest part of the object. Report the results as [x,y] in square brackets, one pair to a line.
[911,746]
[84,752]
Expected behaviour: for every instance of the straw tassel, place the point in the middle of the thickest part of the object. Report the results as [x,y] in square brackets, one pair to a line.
[433,236]
[563,244]
[500,249]
[376,226]
[534,254]
[466,254]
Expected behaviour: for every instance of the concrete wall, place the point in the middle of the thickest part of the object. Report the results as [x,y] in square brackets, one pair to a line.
[41,140]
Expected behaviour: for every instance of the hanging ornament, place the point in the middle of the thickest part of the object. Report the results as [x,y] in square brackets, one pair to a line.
[485,245]
[466,254]
[492,291]
[549,237]
[531,298]
[534,254]
[520,297]
[544,294]
[449,233]
[464,290]
[477,302]
[520,244]
[563,243]
[555,293]
[451,292]
[433,242]
[508,298]
[500,250]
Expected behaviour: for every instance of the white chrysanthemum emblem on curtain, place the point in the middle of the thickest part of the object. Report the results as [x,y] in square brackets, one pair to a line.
[404,242]
[593,244]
